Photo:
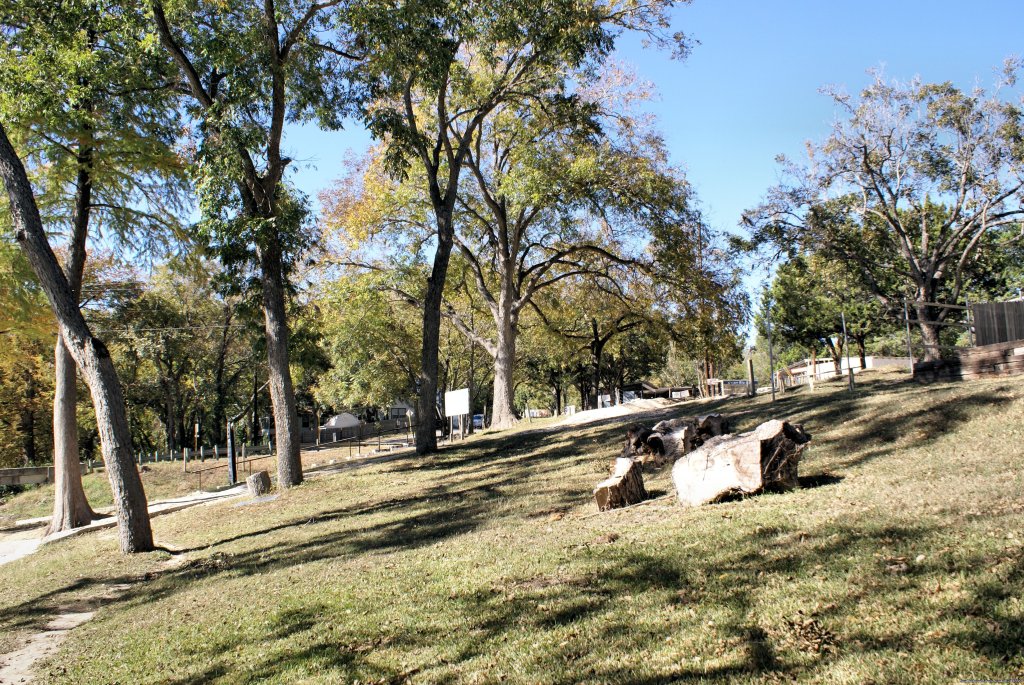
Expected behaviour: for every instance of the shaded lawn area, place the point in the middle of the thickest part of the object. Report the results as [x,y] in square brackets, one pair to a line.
[901,561]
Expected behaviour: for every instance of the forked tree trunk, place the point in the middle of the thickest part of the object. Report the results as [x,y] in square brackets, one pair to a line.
[287,435]
[90,355]
[70,507]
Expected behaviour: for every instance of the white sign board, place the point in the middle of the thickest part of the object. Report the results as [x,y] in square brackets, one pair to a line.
[456,402]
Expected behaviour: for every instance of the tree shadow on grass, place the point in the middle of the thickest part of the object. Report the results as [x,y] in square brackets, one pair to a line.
[539,605]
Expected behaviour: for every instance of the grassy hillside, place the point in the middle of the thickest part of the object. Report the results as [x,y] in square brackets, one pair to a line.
[901,561]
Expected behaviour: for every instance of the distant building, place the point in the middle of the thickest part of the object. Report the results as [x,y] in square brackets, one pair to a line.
[645,390]
[399,415]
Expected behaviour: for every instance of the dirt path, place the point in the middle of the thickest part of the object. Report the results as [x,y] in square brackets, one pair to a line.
[18,667]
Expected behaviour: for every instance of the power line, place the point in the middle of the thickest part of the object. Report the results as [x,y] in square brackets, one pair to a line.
[168,328]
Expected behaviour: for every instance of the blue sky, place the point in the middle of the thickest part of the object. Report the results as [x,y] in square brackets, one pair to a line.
[750,90]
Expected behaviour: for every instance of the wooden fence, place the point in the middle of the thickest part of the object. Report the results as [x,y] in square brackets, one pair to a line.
[997,322]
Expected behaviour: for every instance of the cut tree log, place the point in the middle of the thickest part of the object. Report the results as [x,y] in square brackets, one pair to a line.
[624,487]
[711,425]
[678,437]
[259,483]
[765,458]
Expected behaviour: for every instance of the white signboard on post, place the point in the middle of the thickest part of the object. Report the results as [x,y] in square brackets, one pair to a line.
[456,402]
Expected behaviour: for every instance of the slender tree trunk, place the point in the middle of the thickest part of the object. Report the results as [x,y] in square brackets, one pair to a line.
[426,403]
[287,435]
[254,421]
[70,507]
[27,420]
[836,352]
[862,352]
[90,354]
[169,419]
[596,351]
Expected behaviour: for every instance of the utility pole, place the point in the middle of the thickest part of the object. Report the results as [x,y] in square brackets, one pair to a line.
[910,350]
[771,350]
[846,346]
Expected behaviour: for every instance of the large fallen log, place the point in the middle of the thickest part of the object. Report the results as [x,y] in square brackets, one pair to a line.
[765,458]
[624,487]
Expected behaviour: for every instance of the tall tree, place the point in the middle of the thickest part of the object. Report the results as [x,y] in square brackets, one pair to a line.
[437,73]
[911,181]
[87,102]
[89,353]
[250,69]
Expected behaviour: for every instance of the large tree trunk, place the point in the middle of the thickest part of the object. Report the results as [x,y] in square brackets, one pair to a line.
[287,436]
[70,507]
[765,458]
[503,411]
[929,331]
[89,353]
[426,403]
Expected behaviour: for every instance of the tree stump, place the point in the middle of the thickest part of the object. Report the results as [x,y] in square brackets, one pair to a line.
[765,458]
[624,487]
[259,483]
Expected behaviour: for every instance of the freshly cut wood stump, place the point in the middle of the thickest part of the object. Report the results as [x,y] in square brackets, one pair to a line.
[765,458]
[624,487]
[259,483]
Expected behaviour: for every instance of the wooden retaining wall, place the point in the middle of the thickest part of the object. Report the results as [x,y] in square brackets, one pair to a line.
[984,361]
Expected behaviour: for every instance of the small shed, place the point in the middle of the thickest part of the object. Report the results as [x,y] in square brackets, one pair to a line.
[343,420]
[339,426]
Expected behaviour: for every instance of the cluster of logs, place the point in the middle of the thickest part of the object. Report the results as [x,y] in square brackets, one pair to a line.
[709,464]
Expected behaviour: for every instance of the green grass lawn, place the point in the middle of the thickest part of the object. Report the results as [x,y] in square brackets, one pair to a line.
[901,561]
